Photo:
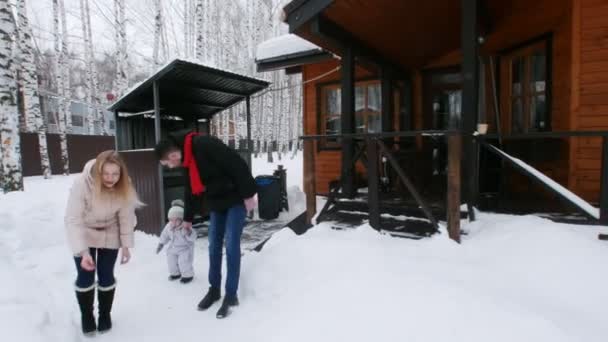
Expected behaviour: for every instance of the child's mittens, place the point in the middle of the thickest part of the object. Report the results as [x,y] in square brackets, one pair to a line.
[159,248]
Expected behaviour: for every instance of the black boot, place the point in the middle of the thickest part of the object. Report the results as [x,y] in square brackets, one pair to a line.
[225,308]
[105,299]
[174,277]
[211,297]
[186,280]
[85,302]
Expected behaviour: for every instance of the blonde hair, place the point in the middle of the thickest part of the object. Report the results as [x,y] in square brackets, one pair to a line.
[123,188]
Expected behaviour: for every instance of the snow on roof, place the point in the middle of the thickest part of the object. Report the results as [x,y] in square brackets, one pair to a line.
[287,44]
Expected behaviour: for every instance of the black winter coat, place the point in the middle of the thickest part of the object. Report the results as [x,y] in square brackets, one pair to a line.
[224,173]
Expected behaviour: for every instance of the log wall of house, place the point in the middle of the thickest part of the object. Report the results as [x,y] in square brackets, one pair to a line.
[589,92]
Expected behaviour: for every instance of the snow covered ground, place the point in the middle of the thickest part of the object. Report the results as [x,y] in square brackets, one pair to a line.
[512,279]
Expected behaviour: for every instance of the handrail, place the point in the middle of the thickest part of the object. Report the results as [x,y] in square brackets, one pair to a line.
[380,135]
[515,136]
[539,135]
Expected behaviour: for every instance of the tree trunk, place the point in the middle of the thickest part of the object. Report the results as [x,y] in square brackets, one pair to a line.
[200,48]
[122,78]
[60,77]
[12,177]
[95,99]
[29,84]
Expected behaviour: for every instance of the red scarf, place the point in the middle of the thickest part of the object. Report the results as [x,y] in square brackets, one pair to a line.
[190,163]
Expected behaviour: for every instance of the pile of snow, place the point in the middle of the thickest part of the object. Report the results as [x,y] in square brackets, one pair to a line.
[284,45]
[512,279]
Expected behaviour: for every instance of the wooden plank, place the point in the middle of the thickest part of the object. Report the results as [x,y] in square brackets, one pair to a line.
[595,99]
[604,184]
[594,88]
[592,67]
[593,122]
[587,164]
[593,110]
[453,191]
[595,56]
[309,180]
[594,3]
[348,120]
[373,179]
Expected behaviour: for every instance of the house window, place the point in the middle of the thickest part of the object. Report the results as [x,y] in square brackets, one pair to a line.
[77,121]
[526,93]
[112,124]
[368,106]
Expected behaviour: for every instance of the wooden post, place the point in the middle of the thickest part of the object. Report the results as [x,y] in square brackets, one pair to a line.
[470,96]
[453,194]
[604,183]
[249,144]
[373,180]
[386,88]
[116,132]
[348,121]
[158,137]
[309,180]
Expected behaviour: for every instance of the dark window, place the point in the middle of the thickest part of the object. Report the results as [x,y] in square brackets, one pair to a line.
[368,108]
[526,101]
[112,124]
[77,121]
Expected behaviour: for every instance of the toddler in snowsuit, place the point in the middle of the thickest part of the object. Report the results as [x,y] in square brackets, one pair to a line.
[180,249]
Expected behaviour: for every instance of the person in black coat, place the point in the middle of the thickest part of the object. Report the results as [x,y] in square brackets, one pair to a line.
[218,173]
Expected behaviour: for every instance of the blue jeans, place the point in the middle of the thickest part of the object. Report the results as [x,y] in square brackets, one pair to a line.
[228,223]
[105,259]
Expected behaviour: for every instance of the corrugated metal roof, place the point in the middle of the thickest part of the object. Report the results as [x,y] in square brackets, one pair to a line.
[188,89]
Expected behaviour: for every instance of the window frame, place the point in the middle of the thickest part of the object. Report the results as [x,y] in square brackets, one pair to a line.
[322,116]
[525,51]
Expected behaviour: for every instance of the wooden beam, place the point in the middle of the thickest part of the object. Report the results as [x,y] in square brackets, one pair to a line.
[470,96]
[348,122]
[157,121]
[309,180]
[373,183]
[344,40]
[249,142]
[453,193]
[604,183]
[158,137]
[116,132]
[386,85]
[300,12]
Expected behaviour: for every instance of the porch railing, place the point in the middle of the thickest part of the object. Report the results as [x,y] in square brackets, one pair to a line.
[375,147]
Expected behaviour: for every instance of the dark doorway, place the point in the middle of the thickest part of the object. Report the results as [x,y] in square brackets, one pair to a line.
[442,101]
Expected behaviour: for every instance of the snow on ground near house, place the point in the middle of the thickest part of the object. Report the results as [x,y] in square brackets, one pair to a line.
[286,44]
[512,279]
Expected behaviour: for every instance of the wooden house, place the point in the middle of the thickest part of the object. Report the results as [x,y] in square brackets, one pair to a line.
[397,93]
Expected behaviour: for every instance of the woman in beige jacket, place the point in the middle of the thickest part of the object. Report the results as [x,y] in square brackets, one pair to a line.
[100,218]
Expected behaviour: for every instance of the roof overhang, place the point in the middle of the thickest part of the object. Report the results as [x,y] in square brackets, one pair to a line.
[189,90]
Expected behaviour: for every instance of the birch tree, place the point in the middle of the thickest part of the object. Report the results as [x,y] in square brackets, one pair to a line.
[95,99]
[122,77]
[12,177]
[29,87]
[200,48]
[60,80]
[88,72]
[158,32]
[65,68]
